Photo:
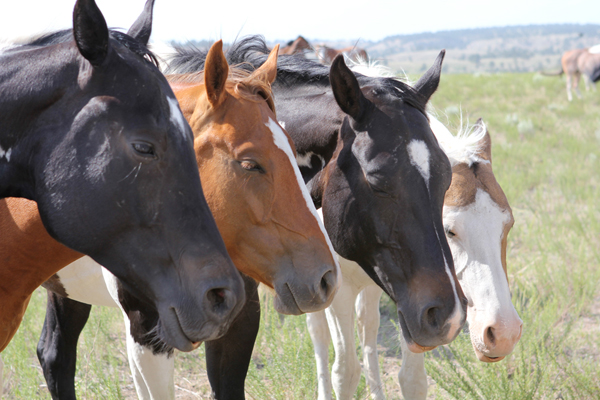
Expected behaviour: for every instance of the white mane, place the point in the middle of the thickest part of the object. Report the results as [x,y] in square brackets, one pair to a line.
[463,147]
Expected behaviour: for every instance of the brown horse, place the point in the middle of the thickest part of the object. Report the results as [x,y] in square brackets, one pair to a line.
[326,55]
[298,46]
[576,63]
[255,190]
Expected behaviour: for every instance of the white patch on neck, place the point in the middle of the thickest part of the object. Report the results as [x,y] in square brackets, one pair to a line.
[281,141]
[419,157]
[303,160]
[177,116]
[5,153]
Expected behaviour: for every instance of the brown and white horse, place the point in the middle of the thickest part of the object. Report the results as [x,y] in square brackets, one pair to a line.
[477,219]
[260,203]
[576,63]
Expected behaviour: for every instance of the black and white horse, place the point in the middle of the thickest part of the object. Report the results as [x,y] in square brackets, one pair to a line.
[91,131]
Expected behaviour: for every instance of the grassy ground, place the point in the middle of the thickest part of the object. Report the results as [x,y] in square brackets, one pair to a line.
[546,156]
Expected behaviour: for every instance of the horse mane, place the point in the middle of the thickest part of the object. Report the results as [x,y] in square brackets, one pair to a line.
[251,52]
[239,81]
[66,35]
[464,147]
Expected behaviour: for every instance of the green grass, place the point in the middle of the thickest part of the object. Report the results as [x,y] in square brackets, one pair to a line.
[546,156]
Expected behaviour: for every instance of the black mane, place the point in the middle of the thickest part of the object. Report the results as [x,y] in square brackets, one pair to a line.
[66,35]
[251,52]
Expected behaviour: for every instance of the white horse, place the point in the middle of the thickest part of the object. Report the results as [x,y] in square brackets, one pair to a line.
[477,218]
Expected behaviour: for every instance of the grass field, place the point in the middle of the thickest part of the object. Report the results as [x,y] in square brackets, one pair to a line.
[546,156]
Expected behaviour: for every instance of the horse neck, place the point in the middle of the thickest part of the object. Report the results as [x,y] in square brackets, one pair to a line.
[23,102]
[315,131]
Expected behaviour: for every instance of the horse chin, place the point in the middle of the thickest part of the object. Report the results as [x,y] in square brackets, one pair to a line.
[413,346]
[487,359]
[286,304]
[171,332]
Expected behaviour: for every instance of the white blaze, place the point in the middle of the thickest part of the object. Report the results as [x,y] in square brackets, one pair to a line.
[281,141]
[5,153]
[477,252]
[419,157]
[177,116]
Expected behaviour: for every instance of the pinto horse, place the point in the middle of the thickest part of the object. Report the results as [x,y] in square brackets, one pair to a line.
[263,211]
[93,133]
[576,63]
[477,219]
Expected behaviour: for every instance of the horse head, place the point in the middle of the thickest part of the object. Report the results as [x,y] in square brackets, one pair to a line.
[253,185]
[116,178]
[477,220]
[382,196]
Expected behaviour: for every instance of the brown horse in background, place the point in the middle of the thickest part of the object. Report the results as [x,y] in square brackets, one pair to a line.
[326,55]
[298,46]
[576,63]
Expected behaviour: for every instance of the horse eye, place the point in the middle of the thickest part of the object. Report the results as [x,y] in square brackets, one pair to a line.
[143,148]
[251,166]
[379,192]
[449,233]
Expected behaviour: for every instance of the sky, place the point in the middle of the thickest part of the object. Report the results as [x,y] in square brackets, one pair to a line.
[284,20]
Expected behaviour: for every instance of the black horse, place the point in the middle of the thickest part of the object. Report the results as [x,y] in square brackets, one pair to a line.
[369,156]
[91,131]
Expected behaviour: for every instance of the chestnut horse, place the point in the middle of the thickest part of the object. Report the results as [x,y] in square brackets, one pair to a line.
[326,54]
[263,211]
[477,219]
[93,133]
[576,63]
[298,46]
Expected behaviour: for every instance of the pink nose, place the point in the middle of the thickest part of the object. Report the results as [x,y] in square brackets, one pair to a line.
[499,339]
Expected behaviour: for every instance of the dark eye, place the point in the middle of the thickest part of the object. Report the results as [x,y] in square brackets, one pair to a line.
[145,149]
[449,233]
[251,166]
[379,192]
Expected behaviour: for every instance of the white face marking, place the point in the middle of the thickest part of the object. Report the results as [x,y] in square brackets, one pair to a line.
[419,157]
[281,141]
[5,154]
[476,249]
[282,123]
[177,116]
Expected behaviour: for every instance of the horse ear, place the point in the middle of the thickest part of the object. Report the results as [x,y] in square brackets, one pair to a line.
[90,31]
[142,27]
[485,143]
[269,68]
[428,83]
[216,71]
[346,90]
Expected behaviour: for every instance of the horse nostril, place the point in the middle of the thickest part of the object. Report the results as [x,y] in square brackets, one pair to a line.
[430,317]
[217,299]
[325,283]
[489,335]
